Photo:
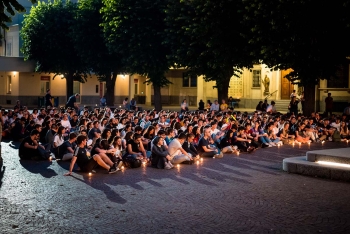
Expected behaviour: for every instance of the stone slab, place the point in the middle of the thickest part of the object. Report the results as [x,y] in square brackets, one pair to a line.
[299,165]
[341,155]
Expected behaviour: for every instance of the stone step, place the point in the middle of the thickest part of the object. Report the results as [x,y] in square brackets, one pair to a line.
[330,164]
[341,155]
[299,165]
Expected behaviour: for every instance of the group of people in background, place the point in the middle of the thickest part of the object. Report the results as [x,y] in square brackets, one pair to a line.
[121,137]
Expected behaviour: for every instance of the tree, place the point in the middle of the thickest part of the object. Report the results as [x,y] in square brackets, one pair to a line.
[292,34]
[7,9]
[136,29]
[47,40]
[90,42]
[205,37]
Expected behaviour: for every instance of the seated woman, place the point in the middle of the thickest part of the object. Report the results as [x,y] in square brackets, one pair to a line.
[160,155]
[300,134]
[271,134]
[226,144]
[344,132]
[66,150]
[258,133]
[284,135]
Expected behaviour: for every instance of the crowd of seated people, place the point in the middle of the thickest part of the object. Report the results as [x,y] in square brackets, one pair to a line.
[118,138]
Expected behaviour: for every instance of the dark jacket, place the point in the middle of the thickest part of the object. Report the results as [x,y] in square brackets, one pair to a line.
[189,148]
[158,156]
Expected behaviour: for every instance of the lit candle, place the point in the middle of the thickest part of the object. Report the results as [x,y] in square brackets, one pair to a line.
[202,159]
[122,167]
[197,162]
[90,173]
[178,165]
[144,163]
[237,153]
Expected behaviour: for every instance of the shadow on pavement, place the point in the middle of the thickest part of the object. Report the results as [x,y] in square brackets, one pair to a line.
[2,172]
[39,167]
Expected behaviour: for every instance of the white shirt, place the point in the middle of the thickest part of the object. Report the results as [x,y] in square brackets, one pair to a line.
[335,125]
[59,141]
[66,123]
[174,147]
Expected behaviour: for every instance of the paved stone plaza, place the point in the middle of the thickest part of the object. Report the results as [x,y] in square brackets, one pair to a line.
[248,193]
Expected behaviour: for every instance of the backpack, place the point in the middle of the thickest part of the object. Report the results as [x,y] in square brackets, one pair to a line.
[131,162]
[336,136]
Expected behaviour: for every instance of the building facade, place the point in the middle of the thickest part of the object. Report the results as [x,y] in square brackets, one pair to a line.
[18,81]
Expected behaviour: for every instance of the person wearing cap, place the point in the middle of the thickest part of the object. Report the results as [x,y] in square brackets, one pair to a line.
[48,98]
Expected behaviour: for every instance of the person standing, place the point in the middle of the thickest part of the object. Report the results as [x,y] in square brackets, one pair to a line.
[103,101]
[293,106]
[184,106]
[302,100]
[201,105]
[329,104]
[72,102]
[48,98]
[126,103]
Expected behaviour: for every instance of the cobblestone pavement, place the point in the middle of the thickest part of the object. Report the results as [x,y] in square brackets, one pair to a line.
[248,193]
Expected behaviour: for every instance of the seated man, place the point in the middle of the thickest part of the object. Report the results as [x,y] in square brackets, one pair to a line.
[177,152]
[86,162]
[189,147]
[30,147]
[135,148]
[204,148]
[66,150]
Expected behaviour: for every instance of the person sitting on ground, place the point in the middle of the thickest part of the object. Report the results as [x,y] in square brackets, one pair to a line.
[242,142]
[86,162]
[223,106]
[135,148]
[215,106]
[189,147]
[300,134]
[66,150]
[271,109]
[204,147]
[284,134]
[178,154]
[160,155]
[226,144]
[344,131]
[30,147]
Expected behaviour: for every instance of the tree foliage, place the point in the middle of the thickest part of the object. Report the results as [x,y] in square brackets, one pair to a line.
[205,37]
[8,8]
[293,34]
[90,43]
[136,29]
[47,39]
